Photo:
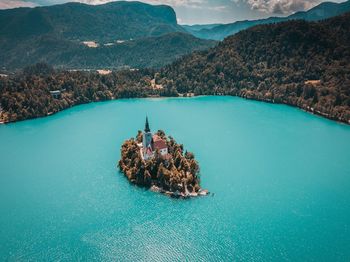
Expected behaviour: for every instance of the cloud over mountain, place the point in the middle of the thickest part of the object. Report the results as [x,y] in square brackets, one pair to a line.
[5,4]
[281,6]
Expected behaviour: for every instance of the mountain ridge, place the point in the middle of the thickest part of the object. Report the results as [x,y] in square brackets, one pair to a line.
[148,52]
[121,20]
[297,62]
[322,11]
[60,35]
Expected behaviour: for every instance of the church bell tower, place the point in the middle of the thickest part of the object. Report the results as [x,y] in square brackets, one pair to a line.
[147,136]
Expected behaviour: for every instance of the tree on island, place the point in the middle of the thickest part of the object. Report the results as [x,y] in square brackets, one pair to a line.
[175,172]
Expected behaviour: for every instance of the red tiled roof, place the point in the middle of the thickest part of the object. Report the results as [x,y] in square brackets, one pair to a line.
[156,138]
[158,143]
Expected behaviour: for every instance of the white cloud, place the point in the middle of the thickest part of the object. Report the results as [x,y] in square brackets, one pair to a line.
[281,6]
[6,4]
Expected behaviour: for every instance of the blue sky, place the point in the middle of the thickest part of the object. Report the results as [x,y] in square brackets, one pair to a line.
[203,11]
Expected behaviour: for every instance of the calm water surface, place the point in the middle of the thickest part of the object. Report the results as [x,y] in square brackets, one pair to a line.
[281,179]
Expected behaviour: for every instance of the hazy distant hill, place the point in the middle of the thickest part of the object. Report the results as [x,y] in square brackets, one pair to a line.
[195,28]
[305,64]
[55,34]
[219,32]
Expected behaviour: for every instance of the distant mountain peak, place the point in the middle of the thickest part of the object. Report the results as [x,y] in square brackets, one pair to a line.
[322,11]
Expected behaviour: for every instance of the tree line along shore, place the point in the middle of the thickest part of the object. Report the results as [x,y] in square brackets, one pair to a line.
[302,64]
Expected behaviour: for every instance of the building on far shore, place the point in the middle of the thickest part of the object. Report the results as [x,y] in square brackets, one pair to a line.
[104,71]
[56,94]
[152,143]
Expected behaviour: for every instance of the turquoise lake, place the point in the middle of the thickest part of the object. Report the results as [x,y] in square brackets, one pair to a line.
[280,178]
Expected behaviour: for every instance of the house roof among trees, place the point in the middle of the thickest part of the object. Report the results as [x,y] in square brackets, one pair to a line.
[158,143]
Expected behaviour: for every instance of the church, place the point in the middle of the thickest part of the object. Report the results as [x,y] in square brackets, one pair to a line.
[151,143]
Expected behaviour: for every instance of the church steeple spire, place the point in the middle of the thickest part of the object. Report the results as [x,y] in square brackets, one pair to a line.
[147,129]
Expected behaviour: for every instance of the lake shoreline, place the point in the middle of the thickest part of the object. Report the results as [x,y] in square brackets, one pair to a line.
[270,101]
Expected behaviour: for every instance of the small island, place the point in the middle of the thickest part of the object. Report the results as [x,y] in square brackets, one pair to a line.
[157,162]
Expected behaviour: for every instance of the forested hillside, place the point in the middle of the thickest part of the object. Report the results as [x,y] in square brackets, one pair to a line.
[148,52]
[27,94]
[299,63]
[81,36]
[305,64]
[76,21]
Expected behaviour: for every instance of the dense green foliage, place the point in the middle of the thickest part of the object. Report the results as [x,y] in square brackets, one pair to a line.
[76,21]
[149,52]
[55,35]
[219,32]
[27,95]
[178,171]
[275,63]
